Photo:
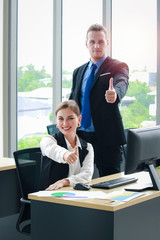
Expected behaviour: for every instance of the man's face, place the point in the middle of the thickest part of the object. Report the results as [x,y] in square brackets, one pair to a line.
[97,45]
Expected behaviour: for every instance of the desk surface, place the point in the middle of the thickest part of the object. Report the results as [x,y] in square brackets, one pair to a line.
[7,163]
[100,204]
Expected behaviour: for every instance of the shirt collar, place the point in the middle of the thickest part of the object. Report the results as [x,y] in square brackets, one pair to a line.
[98,64]
[77,143]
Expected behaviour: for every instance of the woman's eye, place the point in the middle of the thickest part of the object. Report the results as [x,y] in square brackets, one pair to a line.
[71,118]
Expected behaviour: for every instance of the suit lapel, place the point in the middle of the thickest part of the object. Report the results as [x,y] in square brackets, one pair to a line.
[60,139]
[80,76]
[103,68]
[82,152]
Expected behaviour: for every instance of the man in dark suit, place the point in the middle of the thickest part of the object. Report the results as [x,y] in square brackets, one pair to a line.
[110,83]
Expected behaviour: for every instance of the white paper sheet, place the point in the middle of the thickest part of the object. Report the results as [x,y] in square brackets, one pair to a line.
[72,194]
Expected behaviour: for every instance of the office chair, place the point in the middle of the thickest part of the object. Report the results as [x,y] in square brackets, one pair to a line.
[51,129]
[124,150]
[125,145]
[28,166]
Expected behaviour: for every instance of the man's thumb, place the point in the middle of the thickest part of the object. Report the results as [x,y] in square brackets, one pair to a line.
[111,84]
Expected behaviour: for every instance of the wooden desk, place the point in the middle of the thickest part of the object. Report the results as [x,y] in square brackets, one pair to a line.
[94,219]
[9,187]
[7,164]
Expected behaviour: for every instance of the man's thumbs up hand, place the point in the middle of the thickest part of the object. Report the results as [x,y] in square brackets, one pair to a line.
[111,84]
[111,94]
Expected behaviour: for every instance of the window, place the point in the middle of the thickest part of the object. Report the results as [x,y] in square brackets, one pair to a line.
[35,42]
[77,17]
[134,32]
[134,35]
[1,76]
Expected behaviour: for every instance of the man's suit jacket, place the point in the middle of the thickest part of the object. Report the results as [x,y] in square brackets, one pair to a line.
[106,117]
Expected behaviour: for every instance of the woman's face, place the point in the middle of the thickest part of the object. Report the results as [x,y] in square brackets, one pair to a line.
[67,121]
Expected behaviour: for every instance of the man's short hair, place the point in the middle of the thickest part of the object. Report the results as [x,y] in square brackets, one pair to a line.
[96,27]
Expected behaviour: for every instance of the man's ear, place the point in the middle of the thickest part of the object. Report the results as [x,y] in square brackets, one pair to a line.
[86,43]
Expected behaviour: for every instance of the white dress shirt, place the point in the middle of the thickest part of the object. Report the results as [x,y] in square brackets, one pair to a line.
[52,150]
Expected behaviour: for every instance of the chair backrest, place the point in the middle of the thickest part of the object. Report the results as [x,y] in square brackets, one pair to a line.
[51,129]
[28,165]
[125,145]
[124,151]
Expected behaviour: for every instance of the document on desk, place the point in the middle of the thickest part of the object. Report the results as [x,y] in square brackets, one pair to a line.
[69,195]
[124,196]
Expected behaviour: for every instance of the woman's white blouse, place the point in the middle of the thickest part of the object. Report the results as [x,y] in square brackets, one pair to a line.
[52,150]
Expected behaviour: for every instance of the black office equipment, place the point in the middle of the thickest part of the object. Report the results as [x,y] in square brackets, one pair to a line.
[114,183]
[143,152]
[51,129]
[28,166]
[81,186]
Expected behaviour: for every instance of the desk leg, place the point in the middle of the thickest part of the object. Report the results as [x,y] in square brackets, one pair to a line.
[57,221]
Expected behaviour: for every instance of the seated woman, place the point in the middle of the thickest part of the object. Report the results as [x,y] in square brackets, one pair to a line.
[67,159]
